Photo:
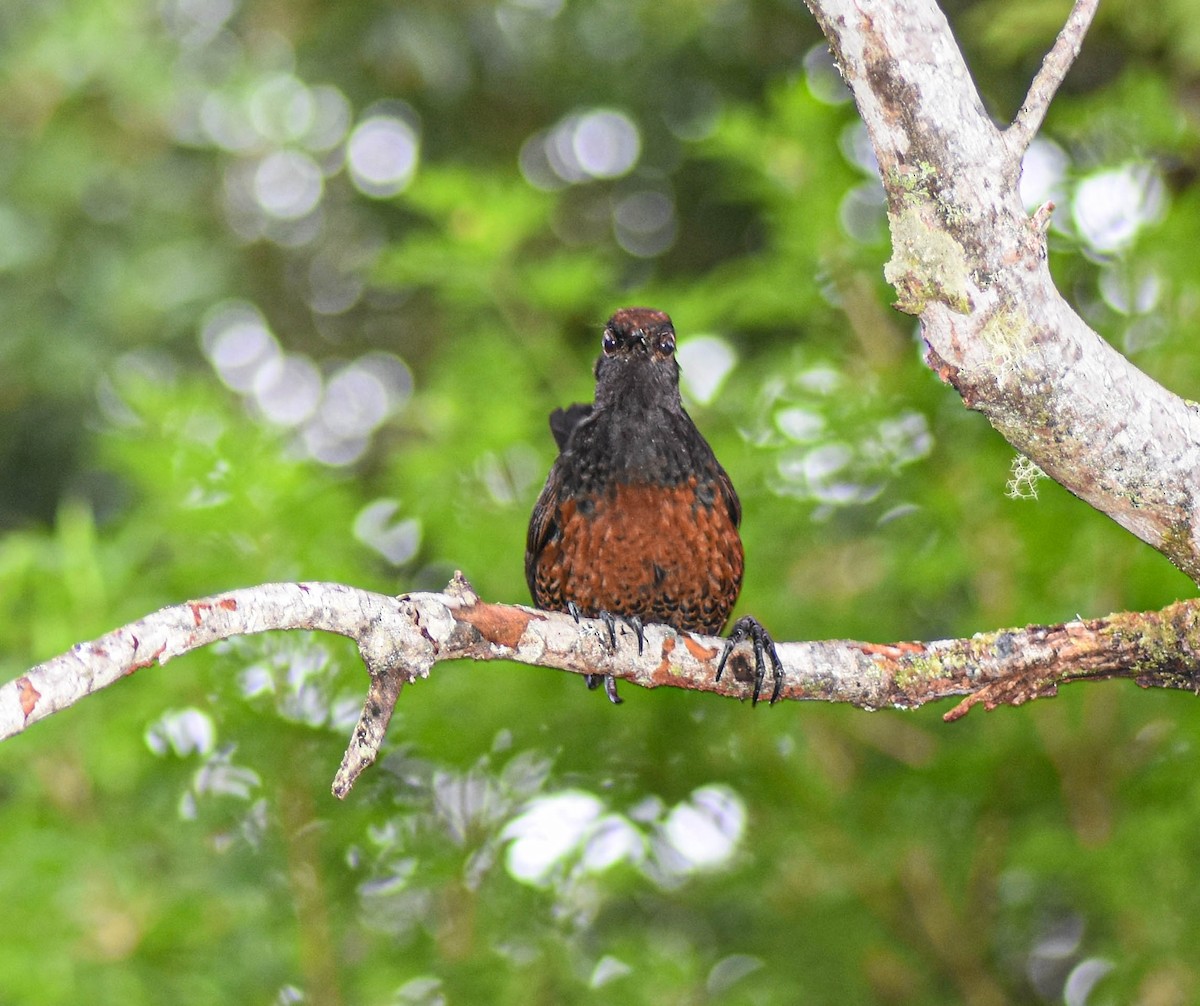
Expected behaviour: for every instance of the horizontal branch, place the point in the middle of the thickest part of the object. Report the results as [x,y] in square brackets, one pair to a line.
[401,638]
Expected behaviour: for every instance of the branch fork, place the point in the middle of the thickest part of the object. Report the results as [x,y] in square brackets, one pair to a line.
[971,264]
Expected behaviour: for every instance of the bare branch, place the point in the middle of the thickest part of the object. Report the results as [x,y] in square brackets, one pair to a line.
[970,262]
[401,638]
[1051,75]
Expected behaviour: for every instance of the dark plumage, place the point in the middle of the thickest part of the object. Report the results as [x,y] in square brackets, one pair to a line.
[637,518]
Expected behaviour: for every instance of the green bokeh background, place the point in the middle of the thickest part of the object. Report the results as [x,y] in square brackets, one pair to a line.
[872,858]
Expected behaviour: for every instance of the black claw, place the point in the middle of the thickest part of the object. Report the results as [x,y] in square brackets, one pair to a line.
[750,628]
[573,611]
[610,686]
[610,689]
[611,624]
[635,623]
[729,644]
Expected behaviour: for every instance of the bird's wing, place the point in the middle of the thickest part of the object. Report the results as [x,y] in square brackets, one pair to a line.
[564,421]
[541,529]
[734,505]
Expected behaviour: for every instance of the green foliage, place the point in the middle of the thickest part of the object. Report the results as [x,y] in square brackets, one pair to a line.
[172,839]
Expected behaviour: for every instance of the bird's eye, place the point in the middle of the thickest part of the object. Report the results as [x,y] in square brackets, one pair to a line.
[610,342]
[666,343]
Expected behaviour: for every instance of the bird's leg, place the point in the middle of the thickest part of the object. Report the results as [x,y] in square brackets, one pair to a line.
[610,683]
[635,623]
[593,680]
[749,627]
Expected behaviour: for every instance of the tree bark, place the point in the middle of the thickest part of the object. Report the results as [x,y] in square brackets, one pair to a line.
[401,638]
[971,264]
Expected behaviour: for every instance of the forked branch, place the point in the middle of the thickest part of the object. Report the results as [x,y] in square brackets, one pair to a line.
[971,263]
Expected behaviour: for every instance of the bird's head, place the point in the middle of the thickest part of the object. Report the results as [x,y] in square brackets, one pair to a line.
[637,361]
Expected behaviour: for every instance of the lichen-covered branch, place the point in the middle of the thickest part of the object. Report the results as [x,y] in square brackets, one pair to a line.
[971,264]
[401,638]
[1054,69]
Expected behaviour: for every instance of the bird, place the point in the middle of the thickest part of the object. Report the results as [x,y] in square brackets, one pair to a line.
[637,519]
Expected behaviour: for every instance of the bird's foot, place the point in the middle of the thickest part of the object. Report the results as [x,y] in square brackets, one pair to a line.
[610,623]
[750,628]
[610,686]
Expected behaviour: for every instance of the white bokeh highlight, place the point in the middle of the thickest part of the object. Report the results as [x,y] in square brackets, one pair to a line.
[1111,207]
[382,154]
